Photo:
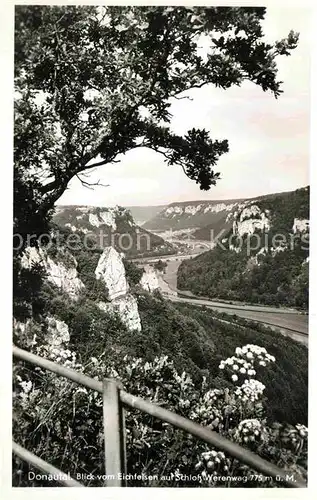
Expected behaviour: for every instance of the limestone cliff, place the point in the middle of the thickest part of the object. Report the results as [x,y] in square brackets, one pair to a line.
[195,214]
[65,277]
[149,280]
[250,219]
[127,308]
[51,333]
[300,225]
[111,271]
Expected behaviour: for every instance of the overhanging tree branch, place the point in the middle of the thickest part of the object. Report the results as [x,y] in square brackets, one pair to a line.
[90,185]
[141,57]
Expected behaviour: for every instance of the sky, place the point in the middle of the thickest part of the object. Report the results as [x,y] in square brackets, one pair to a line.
[268,137]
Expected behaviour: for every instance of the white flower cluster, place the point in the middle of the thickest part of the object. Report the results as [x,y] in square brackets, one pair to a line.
[65,357]
[238,366]
[250,430]
[28,391]
[302,430]
[184,380]
[292,434]
[252,351]
[243,361]
[184,403]
[250,390]
[212,395]
[212,462]
[26,386]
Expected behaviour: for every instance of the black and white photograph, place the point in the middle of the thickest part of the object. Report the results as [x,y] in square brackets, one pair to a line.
[161,221]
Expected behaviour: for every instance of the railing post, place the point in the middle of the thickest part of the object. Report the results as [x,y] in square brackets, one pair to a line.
[114,432]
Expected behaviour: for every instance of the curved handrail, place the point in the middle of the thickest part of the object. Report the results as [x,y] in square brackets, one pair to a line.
[43,466]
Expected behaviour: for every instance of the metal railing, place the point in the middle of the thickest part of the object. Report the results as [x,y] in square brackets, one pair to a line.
[115,400]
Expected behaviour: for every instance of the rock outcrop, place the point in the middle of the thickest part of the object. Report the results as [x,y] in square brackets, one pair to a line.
[107,217]
[65,277]
[300,225]
[127,308]
[149,280]
[52,333]
[195,214]
[111,271]
[250,219]
[203,207]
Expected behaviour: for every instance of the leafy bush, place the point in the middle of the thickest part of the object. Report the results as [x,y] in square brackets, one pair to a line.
[133,273]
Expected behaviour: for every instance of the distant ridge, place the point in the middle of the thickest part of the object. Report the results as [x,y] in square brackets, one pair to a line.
[200,213]
[107,225]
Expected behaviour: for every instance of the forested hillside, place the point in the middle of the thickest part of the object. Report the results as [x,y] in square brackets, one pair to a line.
[262,259]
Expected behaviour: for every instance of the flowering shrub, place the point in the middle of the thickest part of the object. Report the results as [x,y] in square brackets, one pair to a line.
[245,361]
[62,422]
[212,462]
[251,430]
[251,390]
